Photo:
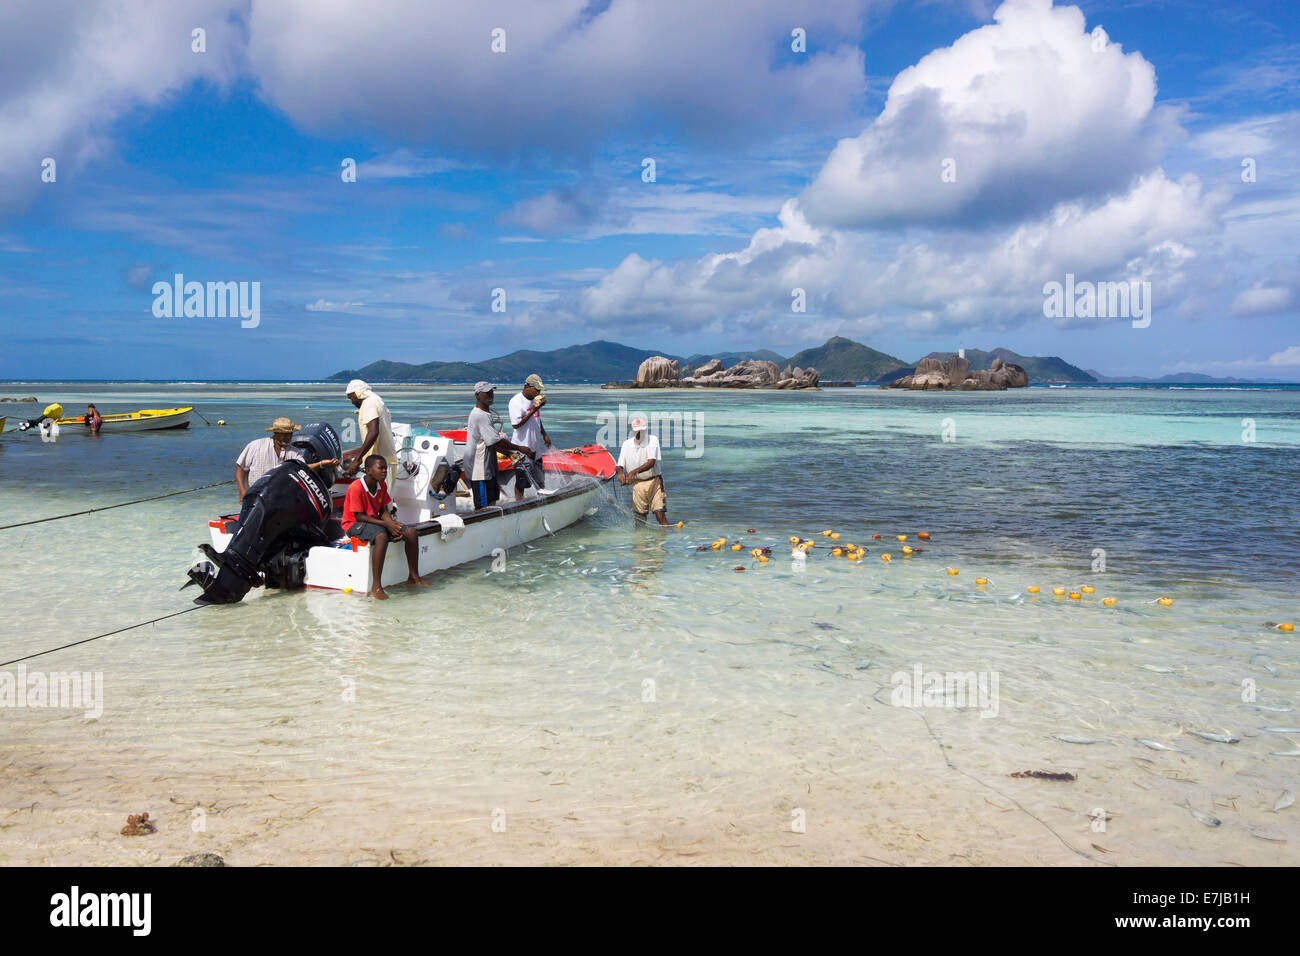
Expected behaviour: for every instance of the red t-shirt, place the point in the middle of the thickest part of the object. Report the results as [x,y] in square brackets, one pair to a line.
[360,501]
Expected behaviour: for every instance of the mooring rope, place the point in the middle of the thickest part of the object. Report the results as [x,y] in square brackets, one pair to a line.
[129,627]
[88,511]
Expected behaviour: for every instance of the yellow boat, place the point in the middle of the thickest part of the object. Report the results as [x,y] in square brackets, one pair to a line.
[147,419]
[2,425]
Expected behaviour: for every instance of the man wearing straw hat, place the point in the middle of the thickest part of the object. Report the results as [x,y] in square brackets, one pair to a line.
[638,466]
[262,454]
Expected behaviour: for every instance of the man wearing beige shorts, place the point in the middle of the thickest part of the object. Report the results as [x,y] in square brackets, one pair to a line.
[638,466]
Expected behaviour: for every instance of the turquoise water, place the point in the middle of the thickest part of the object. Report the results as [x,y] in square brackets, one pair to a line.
[325,728]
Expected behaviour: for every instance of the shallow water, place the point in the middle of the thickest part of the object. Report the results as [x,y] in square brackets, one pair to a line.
[613,689]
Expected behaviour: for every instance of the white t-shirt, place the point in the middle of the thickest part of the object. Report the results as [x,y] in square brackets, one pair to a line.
[530,436]
[373,407]
[633,456]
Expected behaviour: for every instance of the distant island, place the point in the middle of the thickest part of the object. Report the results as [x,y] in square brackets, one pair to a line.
[838,360]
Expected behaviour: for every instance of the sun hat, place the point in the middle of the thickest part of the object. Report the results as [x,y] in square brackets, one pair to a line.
[535,381]
[283,424]
[482,387]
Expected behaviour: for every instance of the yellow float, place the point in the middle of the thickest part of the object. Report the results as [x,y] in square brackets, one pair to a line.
[981,580]
[1087,589]
[1165,601]
[1058,591]
[902,537]
[1075,596]
[1110,602]
[1286,627]
[886,557]
[1033,589]
[952,570]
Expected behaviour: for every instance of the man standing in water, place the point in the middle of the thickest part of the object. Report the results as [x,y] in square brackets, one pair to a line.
[638,466]
[482,442]
[526,417]
[376,429]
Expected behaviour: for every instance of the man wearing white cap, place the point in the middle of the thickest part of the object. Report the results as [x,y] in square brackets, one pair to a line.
[638,466]
[482,442]
[526,416]
[376,429]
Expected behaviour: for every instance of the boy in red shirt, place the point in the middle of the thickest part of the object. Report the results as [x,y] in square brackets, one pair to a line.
[366,515]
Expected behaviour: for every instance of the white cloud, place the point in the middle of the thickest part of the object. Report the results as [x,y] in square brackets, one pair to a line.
[571,73]
[1029,113]
[1018,93]
[69,69]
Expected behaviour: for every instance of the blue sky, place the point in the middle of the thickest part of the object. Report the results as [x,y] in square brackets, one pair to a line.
[1114,158]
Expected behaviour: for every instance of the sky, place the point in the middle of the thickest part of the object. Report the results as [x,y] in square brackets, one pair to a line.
[669,175]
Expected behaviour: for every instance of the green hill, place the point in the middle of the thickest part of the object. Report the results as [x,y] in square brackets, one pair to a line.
[593,362]
[1039,368]
[842,359]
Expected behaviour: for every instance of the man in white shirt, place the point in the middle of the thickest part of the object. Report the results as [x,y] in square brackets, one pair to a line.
[638,466]
[376,429]
[262,454]
[526,417]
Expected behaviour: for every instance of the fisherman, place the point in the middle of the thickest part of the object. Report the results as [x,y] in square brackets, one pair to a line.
[482,442]
[376,429]
[262,454]
[638,466]
[526,417]
[367,516]
[93,419]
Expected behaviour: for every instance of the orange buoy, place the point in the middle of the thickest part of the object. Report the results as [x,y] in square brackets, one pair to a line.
[1165,601]
[1033,589]
[952,570]
[923,535]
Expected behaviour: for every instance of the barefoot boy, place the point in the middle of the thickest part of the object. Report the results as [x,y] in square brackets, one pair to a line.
[366,515]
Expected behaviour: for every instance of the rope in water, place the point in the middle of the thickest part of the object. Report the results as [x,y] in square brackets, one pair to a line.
[170,494]
[129,627]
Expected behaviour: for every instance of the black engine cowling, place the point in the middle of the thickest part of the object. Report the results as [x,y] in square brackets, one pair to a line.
[285,512]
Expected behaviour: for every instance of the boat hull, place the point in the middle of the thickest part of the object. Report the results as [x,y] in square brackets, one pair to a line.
[147,420]
[492,531]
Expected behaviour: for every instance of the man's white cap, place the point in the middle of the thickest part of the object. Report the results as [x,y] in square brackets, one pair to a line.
[637,424]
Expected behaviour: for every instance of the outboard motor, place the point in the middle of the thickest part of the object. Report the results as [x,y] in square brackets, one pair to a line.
[286,511]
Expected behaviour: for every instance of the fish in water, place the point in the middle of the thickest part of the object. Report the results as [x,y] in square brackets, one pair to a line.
[1281,730]
[1071,739]
[1262,661]
[1205,818]
[1156,745]
[1285,800]
[864,665]
[824,626]
[1217,738]
[1156,668]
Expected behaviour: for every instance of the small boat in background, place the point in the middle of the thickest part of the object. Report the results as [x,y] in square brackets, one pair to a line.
[145,420]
